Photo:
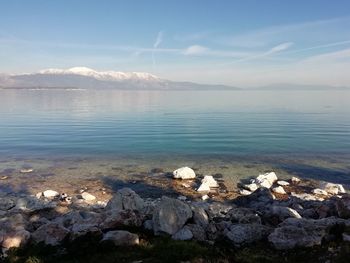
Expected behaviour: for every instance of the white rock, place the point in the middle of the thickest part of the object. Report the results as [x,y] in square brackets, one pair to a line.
[88,197]
[270,177]
[279,190]
[307,197]
[204,187]
[282,183]
[50,194]
[25,171]
[184,173]
[250,187]
[341,189]
[205,197]
[208,179]
[244,192]
[330,188]
[319,191]
[265,183]
[295,179]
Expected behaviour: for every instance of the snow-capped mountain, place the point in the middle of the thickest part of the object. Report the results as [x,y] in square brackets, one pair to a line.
[86,78]
[102,75]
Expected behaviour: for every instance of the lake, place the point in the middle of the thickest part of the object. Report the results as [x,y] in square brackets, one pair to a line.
[300,132]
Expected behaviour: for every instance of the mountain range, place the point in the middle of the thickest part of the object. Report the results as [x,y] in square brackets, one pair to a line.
[86,78]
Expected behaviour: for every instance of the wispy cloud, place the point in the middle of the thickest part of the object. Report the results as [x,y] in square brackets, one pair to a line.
[156,44]
[265,36]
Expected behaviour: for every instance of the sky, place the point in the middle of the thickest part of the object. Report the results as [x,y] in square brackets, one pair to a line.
[239,43]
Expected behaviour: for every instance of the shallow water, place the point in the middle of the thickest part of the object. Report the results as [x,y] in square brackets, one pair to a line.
[236,133]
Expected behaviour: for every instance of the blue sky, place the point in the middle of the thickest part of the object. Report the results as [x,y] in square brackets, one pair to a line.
[242,43]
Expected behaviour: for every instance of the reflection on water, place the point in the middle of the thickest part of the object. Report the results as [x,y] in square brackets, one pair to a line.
[178,123]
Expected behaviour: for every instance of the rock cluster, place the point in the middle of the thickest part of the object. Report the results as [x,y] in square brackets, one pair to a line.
[299,219]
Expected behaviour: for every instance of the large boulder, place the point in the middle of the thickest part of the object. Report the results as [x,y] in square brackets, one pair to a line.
[283,212]
[266,180]
[123,218]
[121,238]
[241,234]
[170,216]
[296,232]
[126,198]
[50,234]
[184,173]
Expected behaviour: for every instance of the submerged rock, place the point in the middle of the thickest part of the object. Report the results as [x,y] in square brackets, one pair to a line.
[170,216]
[184,173]
[87,196]
[121,238]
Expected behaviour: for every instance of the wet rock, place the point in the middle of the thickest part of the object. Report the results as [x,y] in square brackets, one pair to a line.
[183,234]
[50,194]
[247,233]
[87,196]
[50,234]
[279,190]
[170,216]
[121,238]
[184,173]
[126,199]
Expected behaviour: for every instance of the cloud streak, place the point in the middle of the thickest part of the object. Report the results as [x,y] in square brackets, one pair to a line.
[156,44]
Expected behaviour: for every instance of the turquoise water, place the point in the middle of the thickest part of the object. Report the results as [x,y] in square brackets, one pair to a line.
[174,123]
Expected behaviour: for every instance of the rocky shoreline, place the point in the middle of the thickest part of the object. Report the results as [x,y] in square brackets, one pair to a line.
[288,214]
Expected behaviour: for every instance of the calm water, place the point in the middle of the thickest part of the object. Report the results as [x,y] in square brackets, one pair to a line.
[174,123]
[111,138]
